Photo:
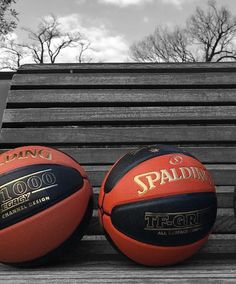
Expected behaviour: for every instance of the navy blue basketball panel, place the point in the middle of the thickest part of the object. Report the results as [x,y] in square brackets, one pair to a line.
[31,189]
[134,158]
[168,221]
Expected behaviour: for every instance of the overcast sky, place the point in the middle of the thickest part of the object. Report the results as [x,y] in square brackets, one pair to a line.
[110,25]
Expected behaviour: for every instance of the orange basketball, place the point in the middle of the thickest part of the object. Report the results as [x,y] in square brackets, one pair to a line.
[157,205]
[46,204]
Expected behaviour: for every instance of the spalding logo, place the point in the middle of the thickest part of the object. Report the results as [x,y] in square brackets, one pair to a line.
[150,180]
[40,153]
[175,160]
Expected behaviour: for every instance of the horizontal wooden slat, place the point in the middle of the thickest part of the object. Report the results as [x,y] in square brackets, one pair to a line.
[109,155]
[107,274]
[225,196]
[128,66]
[98,262]
[88,135]
[215,268]
[222,174]
[127,79]
[99,245]
[119,114]
[128,96]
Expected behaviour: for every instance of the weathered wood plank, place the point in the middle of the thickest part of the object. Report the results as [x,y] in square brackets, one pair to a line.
[129,66]
[225,196]
[108,155]
[127,96]
[89,135]
[97,260]
[222,174]
[4,88]
[216,244]
[220,237]
[118,114]
[125,79]
[226,276]
[96,275]
[121,270]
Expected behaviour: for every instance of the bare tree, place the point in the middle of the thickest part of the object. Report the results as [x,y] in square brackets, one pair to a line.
[49,40]
[8,17]
[214,31]
[84,45]
[44,45]
[163,45]
[12,54]
[209,36]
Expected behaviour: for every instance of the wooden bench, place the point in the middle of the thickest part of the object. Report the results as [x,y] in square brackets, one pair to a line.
[98,112]
[5,79]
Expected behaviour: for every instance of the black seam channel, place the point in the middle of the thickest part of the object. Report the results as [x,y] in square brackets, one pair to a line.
[105,213]
[103,198]
[124,104]
[131,86]
[118,144]
[118,123]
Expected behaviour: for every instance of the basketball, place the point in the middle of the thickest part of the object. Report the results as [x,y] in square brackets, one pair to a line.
[157,205]
[46,204]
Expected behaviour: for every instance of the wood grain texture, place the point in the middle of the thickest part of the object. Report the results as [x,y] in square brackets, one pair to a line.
[120,270]
[109,155]
[119,135]
[229,66]
[4,88]
[222,174]
[97,262]
[217,243]
[123,115]
[125,79]
[125,96]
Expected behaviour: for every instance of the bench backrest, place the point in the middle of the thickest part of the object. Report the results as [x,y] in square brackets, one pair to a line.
[98,112]
[5,79]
